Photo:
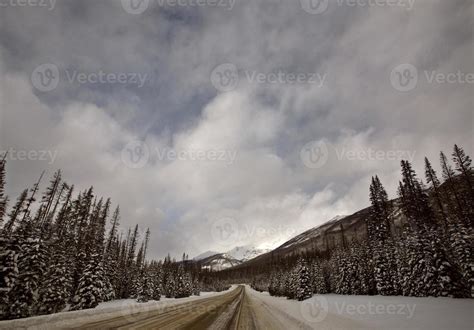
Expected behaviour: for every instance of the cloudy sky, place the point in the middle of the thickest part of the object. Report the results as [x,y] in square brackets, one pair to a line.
[226,123]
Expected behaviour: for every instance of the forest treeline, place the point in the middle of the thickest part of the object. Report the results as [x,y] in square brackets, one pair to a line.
[430,255]
[64,251]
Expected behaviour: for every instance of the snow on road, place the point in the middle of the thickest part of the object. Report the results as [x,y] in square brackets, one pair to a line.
[369,312]
[106,310]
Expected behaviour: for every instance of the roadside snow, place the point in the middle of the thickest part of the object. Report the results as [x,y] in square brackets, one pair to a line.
[110,309]
[369,312]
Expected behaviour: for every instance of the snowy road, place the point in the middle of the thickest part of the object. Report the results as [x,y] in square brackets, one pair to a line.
[244,308]
[233,310]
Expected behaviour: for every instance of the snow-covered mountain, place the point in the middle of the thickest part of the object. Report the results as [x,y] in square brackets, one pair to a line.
[217,261]
[311,233]
[246,252]
[205,255]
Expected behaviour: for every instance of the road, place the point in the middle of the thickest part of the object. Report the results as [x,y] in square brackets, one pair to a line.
[233,310]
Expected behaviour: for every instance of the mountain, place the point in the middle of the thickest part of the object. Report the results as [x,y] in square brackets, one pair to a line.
[311,233]
[335,232]
[205,255]
[246,252]
[324,237]
[218,261]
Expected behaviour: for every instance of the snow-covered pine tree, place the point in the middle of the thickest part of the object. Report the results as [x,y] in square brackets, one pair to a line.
[318,278]
[9,251]
[462,251]
[3,198]
[448,278]
[63,222]
[156,276]
[47,201]
[303,283]
[90,290]
[434,185]
[196,287]
[414,203]
[363,282]
[31,266]
[457,203]
[56,288]
[341,270]
[272,287]
[183,285]
[145,290]
[380,242]
[439,276]
[16,213]
[291,284]
[463,165]
[169,284]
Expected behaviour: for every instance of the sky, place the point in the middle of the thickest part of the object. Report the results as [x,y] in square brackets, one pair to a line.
[226,123]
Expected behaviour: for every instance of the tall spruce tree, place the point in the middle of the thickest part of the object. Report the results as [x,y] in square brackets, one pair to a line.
[380,241]
[463,165]
[457,203]
[56,288]
[3,197]
[303,281]
[90,290]
[31,266]
[435,185]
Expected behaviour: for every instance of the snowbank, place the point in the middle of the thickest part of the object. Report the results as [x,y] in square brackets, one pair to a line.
[371,312]
[110,309]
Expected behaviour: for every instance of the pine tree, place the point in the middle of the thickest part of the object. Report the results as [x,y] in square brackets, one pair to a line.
[14,215]
[56,289]
[462,250]
[9,252]
[145,290]
[169,285]
[156,275]
[303,284]
[319,278]
[91,285]
[343,269]
[432,180]
[380,242]
[463,165]
[420,279]
[196,288]
[183,283]
[457,203]
[291,284]
[47,201]
[3,198]
[31,266]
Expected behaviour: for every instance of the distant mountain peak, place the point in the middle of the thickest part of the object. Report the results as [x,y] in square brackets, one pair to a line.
[217,261]
[205,255]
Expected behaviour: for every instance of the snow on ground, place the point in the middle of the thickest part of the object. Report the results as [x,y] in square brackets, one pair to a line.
[110,309]
[370,312]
